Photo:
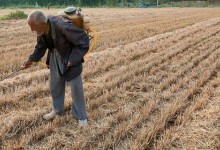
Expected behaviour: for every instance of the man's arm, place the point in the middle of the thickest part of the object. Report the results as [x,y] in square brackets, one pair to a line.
[38,53]
[79,40]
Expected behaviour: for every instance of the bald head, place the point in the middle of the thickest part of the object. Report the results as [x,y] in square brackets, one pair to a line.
[37,20]
[37,17]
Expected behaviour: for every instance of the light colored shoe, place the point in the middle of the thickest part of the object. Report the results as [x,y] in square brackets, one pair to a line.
[50,115]
[83,123]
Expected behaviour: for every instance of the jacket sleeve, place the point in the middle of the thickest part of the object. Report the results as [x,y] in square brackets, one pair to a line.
[79,42]
[39,51]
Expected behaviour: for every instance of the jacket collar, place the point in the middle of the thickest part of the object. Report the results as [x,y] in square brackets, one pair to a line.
[52,28]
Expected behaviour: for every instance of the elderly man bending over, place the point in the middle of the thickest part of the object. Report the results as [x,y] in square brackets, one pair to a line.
[67,45]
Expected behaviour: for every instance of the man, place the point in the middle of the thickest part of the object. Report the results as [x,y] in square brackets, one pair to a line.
[67,45]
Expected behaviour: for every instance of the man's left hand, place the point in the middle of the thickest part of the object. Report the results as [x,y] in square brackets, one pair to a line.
[69,64]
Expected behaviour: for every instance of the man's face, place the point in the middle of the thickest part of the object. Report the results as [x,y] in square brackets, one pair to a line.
[37,28]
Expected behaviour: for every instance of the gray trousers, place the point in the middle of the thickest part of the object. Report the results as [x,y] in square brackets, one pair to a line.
[57,89]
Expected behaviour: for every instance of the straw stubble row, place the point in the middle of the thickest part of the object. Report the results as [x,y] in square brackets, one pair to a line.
[125,97]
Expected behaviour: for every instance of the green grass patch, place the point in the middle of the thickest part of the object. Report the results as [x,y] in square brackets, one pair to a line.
[14,15]
[190,5]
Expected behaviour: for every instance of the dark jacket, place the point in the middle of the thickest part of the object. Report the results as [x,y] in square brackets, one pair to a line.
[71,42]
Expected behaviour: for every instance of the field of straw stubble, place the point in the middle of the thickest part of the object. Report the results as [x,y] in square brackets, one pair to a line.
[152,82]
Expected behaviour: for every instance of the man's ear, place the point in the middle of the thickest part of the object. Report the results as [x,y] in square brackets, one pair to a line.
[44,24]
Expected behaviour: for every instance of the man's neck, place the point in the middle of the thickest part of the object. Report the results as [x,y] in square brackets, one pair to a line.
[47,28]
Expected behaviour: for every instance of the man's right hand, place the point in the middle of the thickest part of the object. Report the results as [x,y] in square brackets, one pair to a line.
[26,64]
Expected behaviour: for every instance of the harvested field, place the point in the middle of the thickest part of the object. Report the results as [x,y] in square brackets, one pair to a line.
[152,82]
